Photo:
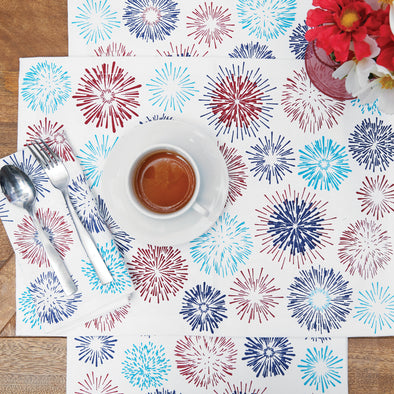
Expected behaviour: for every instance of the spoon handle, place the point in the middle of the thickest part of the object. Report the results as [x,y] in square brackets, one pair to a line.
[55,260]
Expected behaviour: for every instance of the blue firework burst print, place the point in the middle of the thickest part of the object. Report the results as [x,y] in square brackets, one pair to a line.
[238,101]
[85,205]
[265,19]
[156,117]
[375,307]
[268,356]
[162,391]
[320,299]
[151,20]
[271,159]
[368,108]
[93,155]
[172,87]
[204,308]
[95,350]
[116,266]
[372,144]
[324,164]
[4,211]
[122,239]
[146,365]
[44,301]
[224,247]
[252,50]
[46,86]
[33,169]
[293,227]
[298,42]
[96,21]
[321,368]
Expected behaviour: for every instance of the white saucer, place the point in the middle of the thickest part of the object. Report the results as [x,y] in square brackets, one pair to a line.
[213,190]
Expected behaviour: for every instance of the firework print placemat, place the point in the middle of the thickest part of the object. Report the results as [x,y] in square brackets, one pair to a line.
[42,306]
[235,28]
[304,246]
[200,364]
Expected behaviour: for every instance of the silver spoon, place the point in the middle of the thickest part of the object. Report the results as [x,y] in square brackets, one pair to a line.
[20,191]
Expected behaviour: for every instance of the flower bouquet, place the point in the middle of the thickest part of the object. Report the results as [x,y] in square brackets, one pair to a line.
[358,35]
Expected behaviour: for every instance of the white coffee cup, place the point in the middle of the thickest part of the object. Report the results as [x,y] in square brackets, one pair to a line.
[145,208]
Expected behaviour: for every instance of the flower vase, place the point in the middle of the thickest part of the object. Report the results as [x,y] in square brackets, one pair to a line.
[320,67]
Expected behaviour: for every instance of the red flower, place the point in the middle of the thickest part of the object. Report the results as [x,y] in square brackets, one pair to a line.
[385,41]
[337,23]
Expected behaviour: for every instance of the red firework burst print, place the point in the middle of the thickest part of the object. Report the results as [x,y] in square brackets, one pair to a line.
[236,172]
[205,361]
[241,388]
[210,24]
[294,227]
[307,106]
[105,323]
[376,196]
[254,297]
[28,244]
[107,96]
[365,248]
[158,272]
[97,384]
[114,49]
[181,51]
[53,134]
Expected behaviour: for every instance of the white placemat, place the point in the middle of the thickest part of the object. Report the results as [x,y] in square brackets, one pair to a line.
[304,246]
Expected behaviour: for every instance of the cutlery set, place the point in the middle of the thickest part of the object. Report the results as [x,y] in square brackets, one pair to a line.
[20,191]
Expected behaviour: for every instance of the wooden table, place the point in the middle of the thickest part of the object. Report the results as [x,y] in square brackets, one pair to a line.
[38,365]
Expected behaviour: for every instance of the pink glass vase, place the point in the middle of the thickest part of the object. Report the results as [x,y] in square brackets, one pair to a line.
[320,67]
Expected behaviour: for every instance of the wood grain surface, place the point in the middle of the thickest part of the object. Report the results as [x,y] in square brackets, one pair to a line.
[30,28]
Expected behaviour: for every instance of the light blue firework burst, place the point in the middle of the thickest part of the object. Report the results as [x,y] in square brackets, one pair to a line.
[298,42]
[96,21]
[371,108]
[33,169]
[46,86]
[93,155]
[266,19]
[321,368]
[4,211]
[146,365]
[116,266]
[372,144]
[268,356]
[252,50]
[162,391]
[375,307]
[320,299]
[172,87]
[225,246]
[151,20]
[44,301]
[324,164]
[203,307]
[95,349]
[271,159]
[122,239]
[85,205]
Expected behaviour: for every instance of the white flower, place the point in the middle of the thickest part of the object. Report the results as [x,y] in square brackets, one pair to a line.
[357,72]
[381,87]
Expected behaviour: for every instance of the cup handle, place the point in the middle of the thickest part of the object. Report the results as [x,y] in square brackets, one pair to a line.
[200,209]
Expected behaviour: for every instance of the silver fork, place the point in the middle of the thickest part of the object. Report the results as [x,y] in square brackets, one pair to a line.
[59,177]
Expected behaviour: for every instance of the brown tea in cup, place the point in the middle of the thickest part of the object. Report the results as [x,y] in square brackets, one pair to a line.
[163,181]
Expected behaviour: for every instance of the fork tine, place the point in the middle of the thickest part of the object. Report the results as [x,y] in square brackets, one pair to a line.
[37,154]
[50,150]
